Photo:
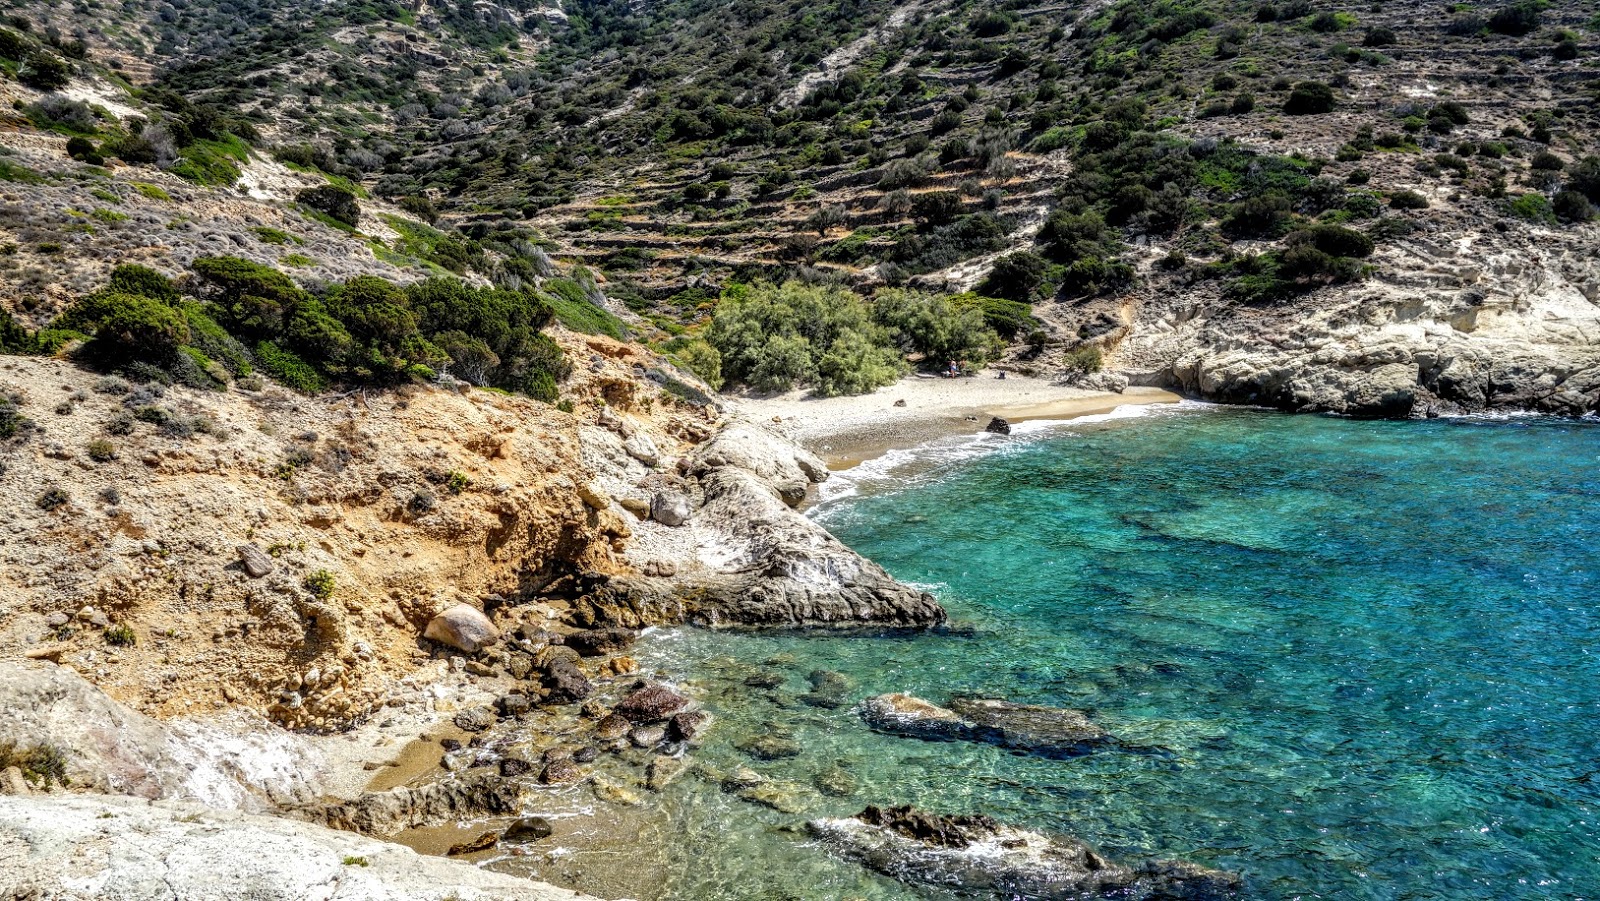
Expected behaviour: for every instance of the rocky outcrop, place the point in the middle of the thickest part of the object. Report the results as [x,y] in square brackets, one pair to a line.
[106,747]
[85,847]
[1041,731]
[1489,322]
[976,856]
[743,557]
[385,813]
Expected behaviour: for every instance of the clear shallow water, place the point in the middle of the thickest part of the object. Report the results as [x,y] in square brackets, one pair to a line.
[1370,647]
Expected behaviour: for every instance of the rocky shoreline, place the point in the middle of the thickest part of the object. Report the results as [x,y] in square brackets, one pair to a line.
[436,719]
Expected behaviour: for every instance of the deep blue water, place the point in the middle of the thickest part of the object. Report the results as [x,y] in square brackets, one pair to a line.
[1369,647]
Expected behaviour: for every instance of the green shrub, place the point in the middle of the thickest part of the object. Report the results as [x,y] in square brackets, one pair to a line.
[1006,317]
[43,765]
[52,499]
[1015,276]
[1309,98]
[333,201]
[44,71]
[120,635]
[1517,19]
[321,584]
[697,356]
[1408,200]
[1085,359]
[127,327]
[576,311]
[102,451]
[1532,208]
[288,369]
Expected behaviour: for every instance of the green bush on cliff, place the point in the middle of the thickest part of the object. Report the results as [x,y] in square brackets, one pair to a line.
[364,331]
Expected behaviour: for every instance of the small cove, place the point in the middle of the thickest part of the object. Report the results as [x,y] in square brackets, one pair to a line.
[1366,651]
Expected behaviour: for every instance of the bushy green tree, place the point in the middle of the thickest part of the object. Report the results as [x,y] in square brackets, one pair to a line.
[931,326]
[774,337]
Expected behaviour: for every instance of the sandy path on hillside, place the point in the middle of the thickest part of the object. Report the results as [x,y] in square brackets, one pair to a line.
[847,430]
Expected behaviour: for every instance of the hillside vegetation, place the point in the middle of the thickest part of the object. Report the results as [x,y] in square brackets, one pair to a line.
[1091,160]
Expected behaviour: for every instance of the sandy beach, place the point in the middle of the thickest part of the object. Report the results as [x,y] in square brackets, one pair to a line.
[845,431]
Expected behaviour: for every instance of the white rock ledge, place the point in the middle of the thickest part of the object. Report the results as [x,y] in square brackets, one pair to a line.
[71,847]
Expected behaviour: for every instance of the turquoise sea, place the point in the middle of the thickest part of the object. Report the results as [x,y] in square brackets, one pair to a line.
[1369,653]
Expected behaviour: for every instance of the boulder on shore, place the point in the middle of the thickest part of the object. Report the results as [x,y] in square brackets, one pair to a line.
[462,627]
[1041,731]
[979,857]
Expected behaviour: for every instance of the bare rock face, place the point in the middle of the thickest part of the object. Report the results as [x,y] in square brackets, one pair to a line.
[54,847]
[108,748]
[1041,731]
[976,856]
[464,628]
[1499,321]
[747,559]
[388,812]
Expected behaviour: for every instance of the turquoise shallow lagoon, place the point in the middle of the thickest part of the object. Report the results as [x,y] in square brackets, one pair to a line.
[1367,650]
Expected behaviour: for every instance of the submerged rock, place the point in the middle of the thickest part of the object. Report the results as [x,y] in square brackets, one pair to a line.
[651,704]
[979,857]
[462,627]
[1042,731]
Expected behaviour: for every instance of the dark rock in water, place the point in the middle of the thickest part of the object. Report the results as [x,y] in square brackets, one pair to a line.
[560,772]
[828,689]
[482,843]
[1046,731]
[598,642]
[998,426]
[514,766]
[528,829]
[1042,731]
[566,683]
[651,704]
[770,747]
[474,720]
[835,783]
[979,857]
[764,680]
[585,755]
[612,728]
[685,726]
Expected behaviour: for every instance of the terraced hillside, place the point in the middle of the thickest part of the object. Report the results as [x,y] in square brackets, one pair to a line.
[1125,167]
